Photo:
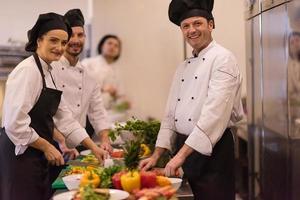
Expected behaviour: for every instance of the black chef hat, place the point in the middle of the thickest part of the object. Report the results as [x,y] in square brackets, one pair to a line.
[180,10]
[46,22]
[75,17]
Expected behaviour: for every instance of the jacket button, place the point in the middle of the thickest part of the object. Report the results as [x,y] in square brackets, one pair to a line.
[203,59]
[182,80]
[79,88]
[190,119]
[78,105]
[63,85]
[176,120]
[62,68]
[189,61]
[80,71]
[178,99]
[196,77]
[192,97]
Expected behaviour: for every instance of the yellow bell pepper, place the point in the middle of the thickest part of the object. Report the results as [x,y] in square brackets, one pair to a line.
[130,181]
[145,150]
[90,178]
[90,168]
[162,181]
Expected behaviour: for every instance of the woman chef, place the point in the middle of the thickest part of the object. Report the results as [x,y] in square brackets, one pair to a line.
[31,102]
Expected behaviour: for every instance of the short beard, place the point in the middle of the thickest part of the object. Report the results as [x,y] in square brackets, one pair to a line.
[74,54]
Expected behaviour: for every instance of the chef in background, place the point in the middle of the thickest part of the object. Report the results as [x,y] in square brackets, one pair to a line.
[105,72]
[27,144]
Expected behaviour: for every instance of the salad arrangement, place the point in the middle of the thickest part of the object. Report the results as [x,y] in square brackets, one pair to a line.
[151,185]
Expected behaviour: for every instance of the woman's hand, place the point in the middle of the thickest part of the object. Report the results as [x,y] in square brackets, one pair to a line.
[53,155]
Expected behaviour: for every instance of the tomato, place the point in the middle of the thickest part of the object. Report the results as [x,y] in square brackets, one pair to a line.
[117,154]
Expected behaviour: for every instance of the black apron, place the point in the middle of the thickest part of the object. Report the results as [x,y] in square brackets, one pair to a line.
[211,177]
[27,176]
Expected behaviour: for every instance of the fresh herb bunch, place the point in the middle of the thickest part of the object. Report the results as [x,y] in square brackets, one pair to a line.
[106,175]
[144,131]
[131,155]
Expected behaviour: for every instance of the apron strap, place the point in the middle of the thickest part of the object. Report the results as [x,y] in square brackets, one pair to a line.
[52,80]
[38,62]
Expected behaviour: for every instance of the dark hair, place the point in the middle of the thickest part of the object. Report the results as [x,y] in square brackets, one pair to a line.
[102,41]
[292,54]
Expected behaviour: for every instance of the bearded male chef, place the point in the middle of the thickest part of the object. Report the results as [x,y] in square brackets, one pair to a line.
[80,90]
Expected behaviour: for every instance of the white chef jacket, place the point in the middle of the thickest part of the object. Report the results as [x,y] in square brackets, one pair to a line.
[205,99]
[105,74]
[101,70]
[82,93]
[23,88]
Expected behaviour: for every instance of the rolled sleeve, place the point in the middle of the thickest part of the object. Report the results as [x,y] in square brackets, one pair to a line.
[200,142]
[21,146]
[68,126]
[76,137]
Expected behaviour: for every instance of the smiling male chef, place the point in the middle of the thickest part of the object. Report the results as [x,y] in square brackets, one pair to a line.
[204,103]
[80,90]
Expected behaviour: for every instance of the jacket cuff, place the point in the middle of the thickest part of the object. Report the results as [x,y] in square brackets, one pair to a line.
[200,142]
[165,138]
[76,137]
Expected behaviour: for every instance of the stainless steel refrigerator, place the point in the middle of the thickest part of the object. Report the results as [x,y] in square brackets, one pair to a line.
[273,98]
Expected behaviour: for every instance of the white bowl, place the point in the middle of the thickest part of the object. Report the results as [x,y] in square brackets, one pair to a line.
[72,181]
[176,182]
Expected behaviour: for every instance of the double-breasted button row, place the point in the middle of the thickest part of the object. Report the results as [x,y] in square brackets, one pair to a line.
[176,120]
[202,59]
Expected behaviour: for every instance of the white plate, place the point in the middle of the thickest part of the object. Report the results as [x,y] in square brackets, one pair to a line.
[114,195]
[64,196]
[88,151]
[85,152]
[118,194]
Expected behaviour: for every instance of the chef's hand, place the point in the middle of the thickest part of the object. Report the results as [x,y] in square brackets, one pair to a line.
[110,89]
[105,141]
[147,163]
[100,153]
[172,167]
[53,155]
[152,160]
[69,154]
[106,146]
